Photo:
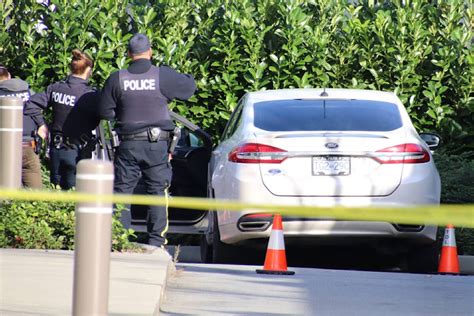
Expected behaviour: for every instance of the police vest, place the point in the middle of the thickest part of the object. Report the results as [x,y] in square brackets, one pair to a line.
[28,124]
[141,103]
[63,96]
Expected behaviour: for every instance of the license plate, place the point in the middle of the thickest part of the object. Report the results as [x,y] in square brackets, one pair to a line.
[331,166]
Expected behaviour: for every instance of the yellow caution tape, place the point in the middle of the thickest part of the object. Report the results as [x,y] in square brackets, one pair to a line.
[455,214]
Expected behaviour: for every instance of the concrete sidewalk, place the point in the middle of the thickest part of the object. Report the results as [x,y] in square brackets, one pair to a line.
[40,282]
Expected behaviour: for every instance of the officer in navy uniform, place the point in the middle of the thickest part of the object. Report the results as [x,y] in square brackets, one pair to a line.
[80,123]
[138,98]
[62,97]
[31,166]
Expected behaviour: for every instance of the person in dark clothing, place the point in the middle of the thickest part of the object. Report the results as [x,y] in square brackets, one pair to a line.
[63,97]
[31,166]
[137,97]
[81,121]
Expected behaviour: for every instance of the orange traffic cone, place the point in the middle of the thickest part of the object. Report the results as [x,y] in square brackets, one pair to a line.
[449,261]
[275,259]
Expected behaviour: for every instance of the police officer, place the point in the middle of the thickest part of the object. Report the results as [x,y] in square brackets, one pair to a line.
[63,97]
[31,166]
[138,98]
[80,122]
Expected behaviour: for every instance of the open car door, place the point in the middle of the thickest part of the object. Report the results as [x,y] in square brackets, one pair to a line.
[189,163]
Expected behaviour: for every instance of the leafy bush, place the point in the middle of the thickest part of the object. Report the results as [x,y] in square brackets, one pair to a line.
[48,225]
[465,240]
[37,225]
[457,187]
[419,49]
[457,177]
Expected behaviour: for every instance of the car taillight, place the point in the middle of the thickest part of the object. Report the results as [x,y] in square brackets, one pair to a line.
[257,153]
[404,153]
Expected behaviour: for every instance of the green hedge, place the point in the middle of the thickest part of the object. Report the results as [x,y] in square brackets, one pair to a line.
[49,225]
[457,177]
[419,49]
[457,187]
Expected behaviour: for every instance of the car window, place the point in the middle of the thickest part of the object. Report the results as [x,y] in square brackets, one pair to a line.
[195,141]
[233,121]
[189,139]
[237,120]
[326,115]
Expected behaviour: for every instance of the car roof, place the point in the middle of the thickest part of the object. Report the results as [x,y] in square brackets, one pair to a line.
[289,94]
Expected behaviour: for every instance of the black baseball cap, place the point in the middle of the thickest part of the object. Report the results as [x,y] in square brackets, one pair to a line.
[138,44]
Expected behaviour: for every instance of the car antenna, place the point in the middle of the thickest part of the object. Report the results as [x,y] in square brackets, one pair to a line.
[324,93]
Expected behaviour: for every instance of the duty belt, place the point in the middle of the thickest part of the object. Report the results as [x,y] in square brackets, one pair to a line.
[150,135]
[60,141]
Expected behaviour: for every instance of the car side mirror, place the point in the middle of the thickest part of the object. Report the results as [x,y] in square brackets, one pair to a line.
[431,139]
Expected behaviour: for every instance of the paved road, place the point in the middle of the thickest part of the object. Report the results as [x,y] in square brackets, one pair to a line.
[198,289]
[191,254]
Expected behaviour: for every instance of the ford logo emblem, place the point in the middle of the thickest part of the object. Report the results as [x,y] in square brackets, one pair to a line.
[331,145]
[274,171]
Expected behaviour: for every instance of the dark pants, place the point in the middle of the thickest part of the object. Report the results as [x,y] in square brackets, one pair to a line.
[30,168]
[63,166]
[150,160]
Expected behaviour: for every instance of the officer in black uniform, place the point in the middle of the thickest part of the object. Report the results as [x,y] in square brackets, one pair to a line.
[138,98]
[63,97]
[80,122]
[31,166]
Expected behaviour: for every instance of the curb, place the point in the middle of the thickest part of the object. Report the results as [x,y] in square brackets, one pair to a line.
[170,269]
[466,264]
[162,256]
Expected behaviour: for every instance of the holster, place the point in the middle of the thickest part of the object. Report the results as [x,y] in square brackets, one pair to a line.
[38,142]
[114,138]
[88,143]
[174,139]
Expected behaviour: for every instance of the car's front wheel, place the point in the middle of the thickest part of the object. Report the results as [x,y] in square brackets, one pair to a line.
[213,250]
[206,249]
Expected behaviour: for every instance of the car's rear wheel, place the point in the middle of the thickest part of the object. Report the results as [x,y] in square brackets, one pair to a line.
[423,259]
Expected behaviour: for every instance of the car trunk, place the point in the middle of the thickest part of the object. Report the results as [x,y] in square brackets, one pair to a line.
[331,164]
